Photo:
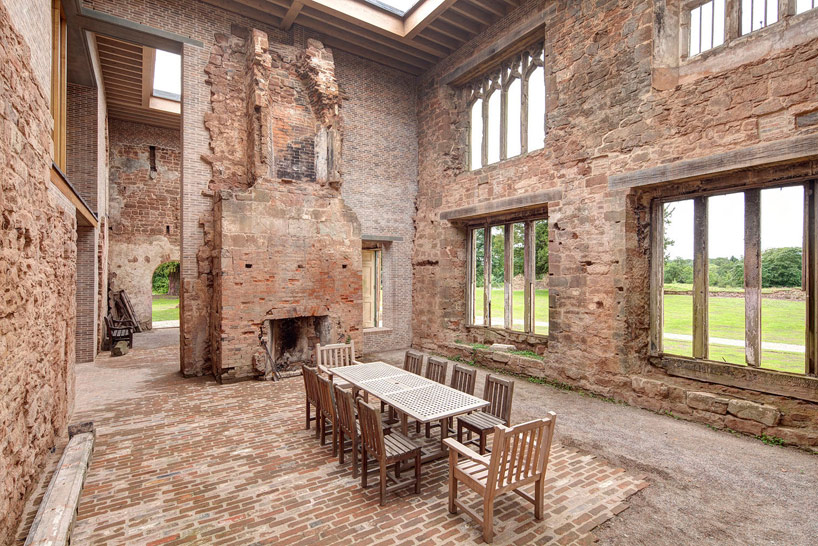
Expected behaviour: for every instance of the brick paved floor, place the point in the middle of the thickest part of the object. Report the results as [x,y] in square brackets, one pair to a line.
[188,461]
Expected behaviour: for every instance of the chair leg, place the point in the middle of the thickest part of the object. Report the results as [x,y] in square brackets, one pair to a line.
[354,456]
[318,419]
[397,470]
[428,430]
[482,443]
[488,520]
[364,469]
[539,497]
[323,430]
[417,472]
[308,416]
[417,427]
[340,445]
[382,466]
[335,439]
[452,482]
[459,432]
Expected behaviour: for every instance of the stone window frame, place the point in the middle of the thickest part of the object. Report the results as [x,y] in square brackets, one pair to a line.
[507,221]
[732,22]
[672,65]
[520,66]
[700,364]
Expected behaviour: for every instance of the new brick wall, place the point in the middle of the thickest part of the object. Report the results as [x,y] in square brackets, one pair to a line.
[37,272]
[144,202]
[603,118]
[380,180]
[83,156]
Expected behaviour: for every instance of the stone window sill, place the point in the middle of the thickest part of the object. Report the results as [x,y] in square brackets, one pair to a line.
[377,330]
[540,338]
[744,377]
[501,163]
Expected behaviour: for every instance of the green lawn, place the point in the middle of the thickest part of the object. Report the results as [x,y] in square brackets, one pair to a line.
[782,321]
[517,310]
[165,308]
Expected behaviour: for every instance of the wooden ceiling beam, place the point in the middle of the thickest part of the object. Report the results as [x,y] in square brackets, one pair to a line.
[438,37]
[477,15]
[389,49]
[319,21]
[292,13]
[490,6]
[112,54]
[113,43]
[331,41]
[449,29]
[424,14]
[461,22]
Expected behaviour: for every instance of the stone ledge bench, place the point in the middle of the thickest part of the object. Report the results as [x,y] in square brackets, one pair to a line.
[55,518]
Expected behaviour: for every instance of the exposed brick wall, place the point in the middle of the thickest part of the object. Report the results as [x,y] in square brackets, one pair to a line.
[37,278]
[287,244]
[380,179]
[603,118]
[83,156]
[143,208]
[199,21]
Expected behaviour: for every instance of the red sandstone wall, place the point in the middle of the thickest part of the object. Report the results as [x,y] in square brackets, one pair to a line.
[603,118]
[144,208]
[37,279]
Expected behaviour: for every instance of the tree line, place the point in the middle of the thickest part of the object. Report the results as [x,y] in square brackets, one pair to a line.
[780,268]
[497,249]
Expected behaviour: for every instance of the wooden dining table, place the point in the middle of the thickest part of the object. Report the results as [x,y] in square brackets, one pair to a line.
[413,396]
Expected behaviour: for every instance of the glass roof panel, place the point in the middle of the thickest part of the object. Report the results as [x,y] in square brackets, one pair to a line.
[167,75]
[396,6]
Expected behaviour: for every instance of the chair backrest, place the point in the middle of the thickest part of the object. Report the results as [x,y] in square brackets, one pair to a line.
[413,362]
[463,379]
[311,385]
[498,393]
[520,452]
[345,409]
[327,405]
[335,355]
[371,431]
[436,369]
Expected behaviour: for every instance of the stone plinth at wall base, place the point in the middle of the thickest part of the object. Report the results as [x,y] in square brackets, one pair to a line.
[793,422]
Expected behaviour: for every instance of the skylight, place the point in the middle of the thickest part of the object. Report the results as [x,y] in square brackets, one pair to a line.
[399,7]
[167,75]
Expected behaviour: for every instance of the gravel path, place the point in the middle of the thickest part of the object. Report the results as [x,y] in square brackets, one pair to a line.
[707,486]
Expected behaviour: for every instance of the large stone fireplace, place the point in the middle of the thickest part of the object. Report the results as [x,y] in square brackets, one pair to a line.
[287,248]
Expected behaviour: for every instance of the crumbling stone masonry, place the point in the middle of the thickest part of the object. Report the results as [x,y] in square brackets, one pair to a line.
[144,211]
[37,278]
[607,114]
[287,245]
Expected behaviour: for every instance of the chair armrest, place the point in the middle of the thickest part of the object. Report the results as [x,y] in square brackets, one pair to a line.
[465,451]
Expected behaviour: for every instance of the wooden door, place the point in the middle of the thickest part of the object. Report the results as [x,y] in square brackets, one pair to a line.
[369,279]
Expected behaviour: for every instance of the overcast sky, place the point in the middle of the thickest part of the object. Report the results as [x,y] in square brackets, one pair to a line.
[167,74]
[782,213]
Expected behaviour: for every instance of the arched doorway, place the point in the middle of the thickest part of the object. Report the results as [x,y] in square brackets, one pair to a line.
[165,295]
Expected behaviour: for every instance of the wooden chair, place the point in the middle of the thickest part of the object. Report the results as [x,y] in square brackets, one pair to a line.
[119,330]
[313,399]
[333,356]
[326,413]
[387,450]
[463,379]
[348,425]
[413,362]
[436,369]
[498,392]
[520,457]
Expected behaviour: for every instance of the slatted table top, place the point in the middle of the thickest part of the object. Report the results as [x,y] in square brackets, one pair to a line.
[420,398]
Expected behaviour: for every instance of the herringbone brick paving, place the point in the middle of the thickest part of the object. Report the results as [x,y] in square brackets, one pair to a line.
[188,461]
